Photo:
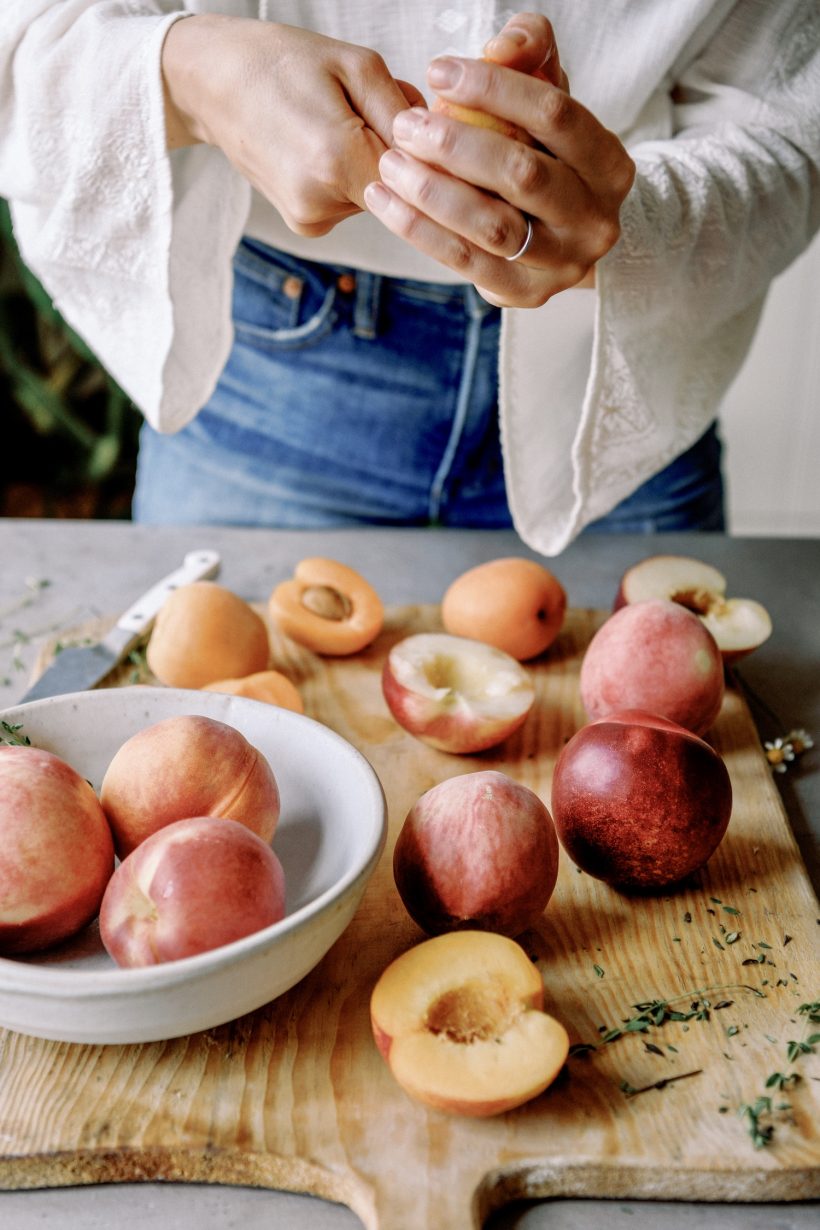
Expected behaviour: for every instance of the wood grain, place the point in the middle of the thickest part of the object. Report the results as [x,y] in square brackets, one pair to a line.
[295,1096]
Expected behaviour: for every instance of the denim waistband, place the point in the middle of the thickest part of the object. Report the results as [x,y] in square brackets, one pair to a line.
[368,289]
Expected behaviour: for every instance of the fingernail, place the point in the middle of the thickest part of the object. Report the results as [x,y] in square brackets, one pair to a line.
[390,164]
[376,198]
[406,122]
[444,73]
[512,35]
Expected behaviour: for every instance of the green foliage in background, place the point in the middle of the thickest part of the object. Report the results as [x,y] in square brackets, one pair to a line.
[69,424]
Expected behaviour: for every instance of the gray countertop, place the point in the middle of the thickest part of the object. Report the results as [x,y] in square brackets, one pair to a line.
[57,574]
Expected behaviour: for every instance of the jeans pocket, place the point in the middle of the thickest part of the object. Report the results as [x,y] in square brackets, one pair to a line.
[279,302]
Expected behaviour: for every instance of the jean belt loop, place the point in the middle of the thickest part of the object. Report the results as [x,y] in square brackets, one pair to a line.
[366,305]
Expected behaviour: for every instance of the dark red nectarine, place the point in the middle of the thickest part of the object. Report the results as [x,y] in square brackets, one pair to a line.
[638,801]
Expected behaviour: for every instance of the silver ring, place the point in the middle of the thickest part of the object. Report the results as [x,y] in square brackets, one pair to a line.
[527,241]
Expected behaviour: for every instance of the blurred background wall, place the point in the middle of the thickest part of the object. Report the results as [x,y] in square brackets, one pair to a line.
[70,434]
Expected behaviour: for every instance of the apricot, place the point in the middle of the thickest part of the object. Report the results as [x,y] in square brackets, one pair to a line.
[187,765]
[56,851]
[459,1020]
[513,603]
[481,119]
[192,886]
[327,607]
[205,632]
[270,686]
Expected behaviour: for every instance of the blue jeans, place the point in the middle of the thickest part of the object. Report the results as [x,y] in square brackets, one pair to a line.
[350,399]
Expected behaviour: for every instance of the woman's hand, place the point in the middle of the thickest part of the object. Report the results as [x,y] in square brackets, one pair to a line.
[303,117]
[464,194]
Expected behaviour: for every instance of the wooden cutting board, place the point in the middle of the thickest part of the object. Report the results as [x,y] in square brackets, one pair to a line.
[296,1097]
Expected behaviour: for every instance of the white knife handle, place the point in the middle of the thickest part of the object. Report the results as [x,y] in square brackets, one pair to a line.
[197,566]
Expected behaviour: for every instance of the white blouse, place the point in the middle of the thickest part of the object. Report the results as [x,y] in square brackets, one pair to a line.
[718,102]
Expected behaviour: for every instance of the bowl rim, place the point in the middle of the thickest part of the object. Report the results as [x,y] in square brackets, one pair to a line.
[47,980]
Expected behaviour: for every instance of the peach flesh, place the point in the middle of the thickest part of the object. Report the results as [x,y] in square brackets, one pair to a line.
[193,886]
[460,1022]
[640,802]
[739,625]
[456,694]
[476,851]
[56,852]
[656,656]
[188,765]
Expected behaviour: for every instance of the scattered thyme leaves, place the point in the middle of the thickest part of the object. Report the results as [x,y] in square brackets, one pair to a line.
[599,973]
[10,736]
[761,1134]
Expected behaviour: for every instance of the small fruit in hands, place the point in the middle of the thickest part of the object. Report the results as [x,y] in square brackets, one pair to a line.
[739,625]
[187,765]
[205,632]
[56,852]
[270,686]
[327,607]
[194,885]
[460,1021]
[513,603]
[477,851]
[482,119]
[657,656]
[456,694]
[640,802]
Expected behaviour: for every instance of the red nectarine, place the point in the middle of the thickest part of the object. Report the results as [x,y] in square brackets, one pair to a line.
[640,802]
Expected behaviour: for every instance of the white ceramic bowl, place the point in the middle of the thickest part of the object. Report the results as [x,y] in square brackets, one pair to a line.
[330,835]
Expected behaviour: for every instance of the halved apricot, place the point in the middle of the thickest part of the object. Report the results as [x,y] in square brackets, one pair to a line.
[270,686]
[327,607]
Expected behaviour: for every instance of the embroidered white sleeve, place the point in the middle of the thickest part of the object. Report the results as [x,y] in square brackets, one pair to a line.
[716,212]
[130,243]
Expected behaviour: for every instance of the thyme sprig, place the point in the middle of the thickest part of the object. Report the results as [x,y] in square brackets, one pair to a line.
[656,1012]
[9,735]
[630,1092]
[762,1134]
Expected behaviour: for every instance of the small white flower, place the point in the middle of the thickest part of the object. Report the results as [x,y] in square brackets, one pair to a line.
[800,740]
[779,753]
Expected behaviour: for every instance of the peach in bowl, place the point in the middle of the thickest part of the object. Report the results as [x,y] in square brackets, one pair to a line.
[330,833]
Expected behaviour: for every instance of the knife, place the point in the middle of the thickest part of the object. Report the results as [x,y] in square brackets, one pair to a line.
[78,668]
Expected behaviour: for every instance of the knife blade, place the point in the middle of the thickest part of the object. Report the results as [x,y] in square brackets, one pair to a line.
[78,668]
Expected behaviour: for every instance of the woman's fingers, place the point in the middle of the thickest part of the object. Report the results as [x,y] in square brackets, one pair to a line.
[526,177]
[558,122]
[527,43]
[503,281]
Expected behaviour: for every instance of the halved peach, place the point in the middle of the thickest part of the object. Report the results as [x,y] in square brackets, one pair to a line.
[460,1021]
[739,625]
[327,607]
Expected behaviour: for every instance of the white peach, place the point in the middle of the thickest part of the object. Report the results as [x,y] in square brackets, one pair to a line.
[454,693]
[194,885]
[56,852]
[187,765]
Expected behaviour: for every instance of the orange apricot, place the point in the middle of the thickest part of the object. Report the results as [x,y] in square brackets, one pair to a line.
[205,632]
[327,607]
[513,603]
[270,686]
[481,119]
